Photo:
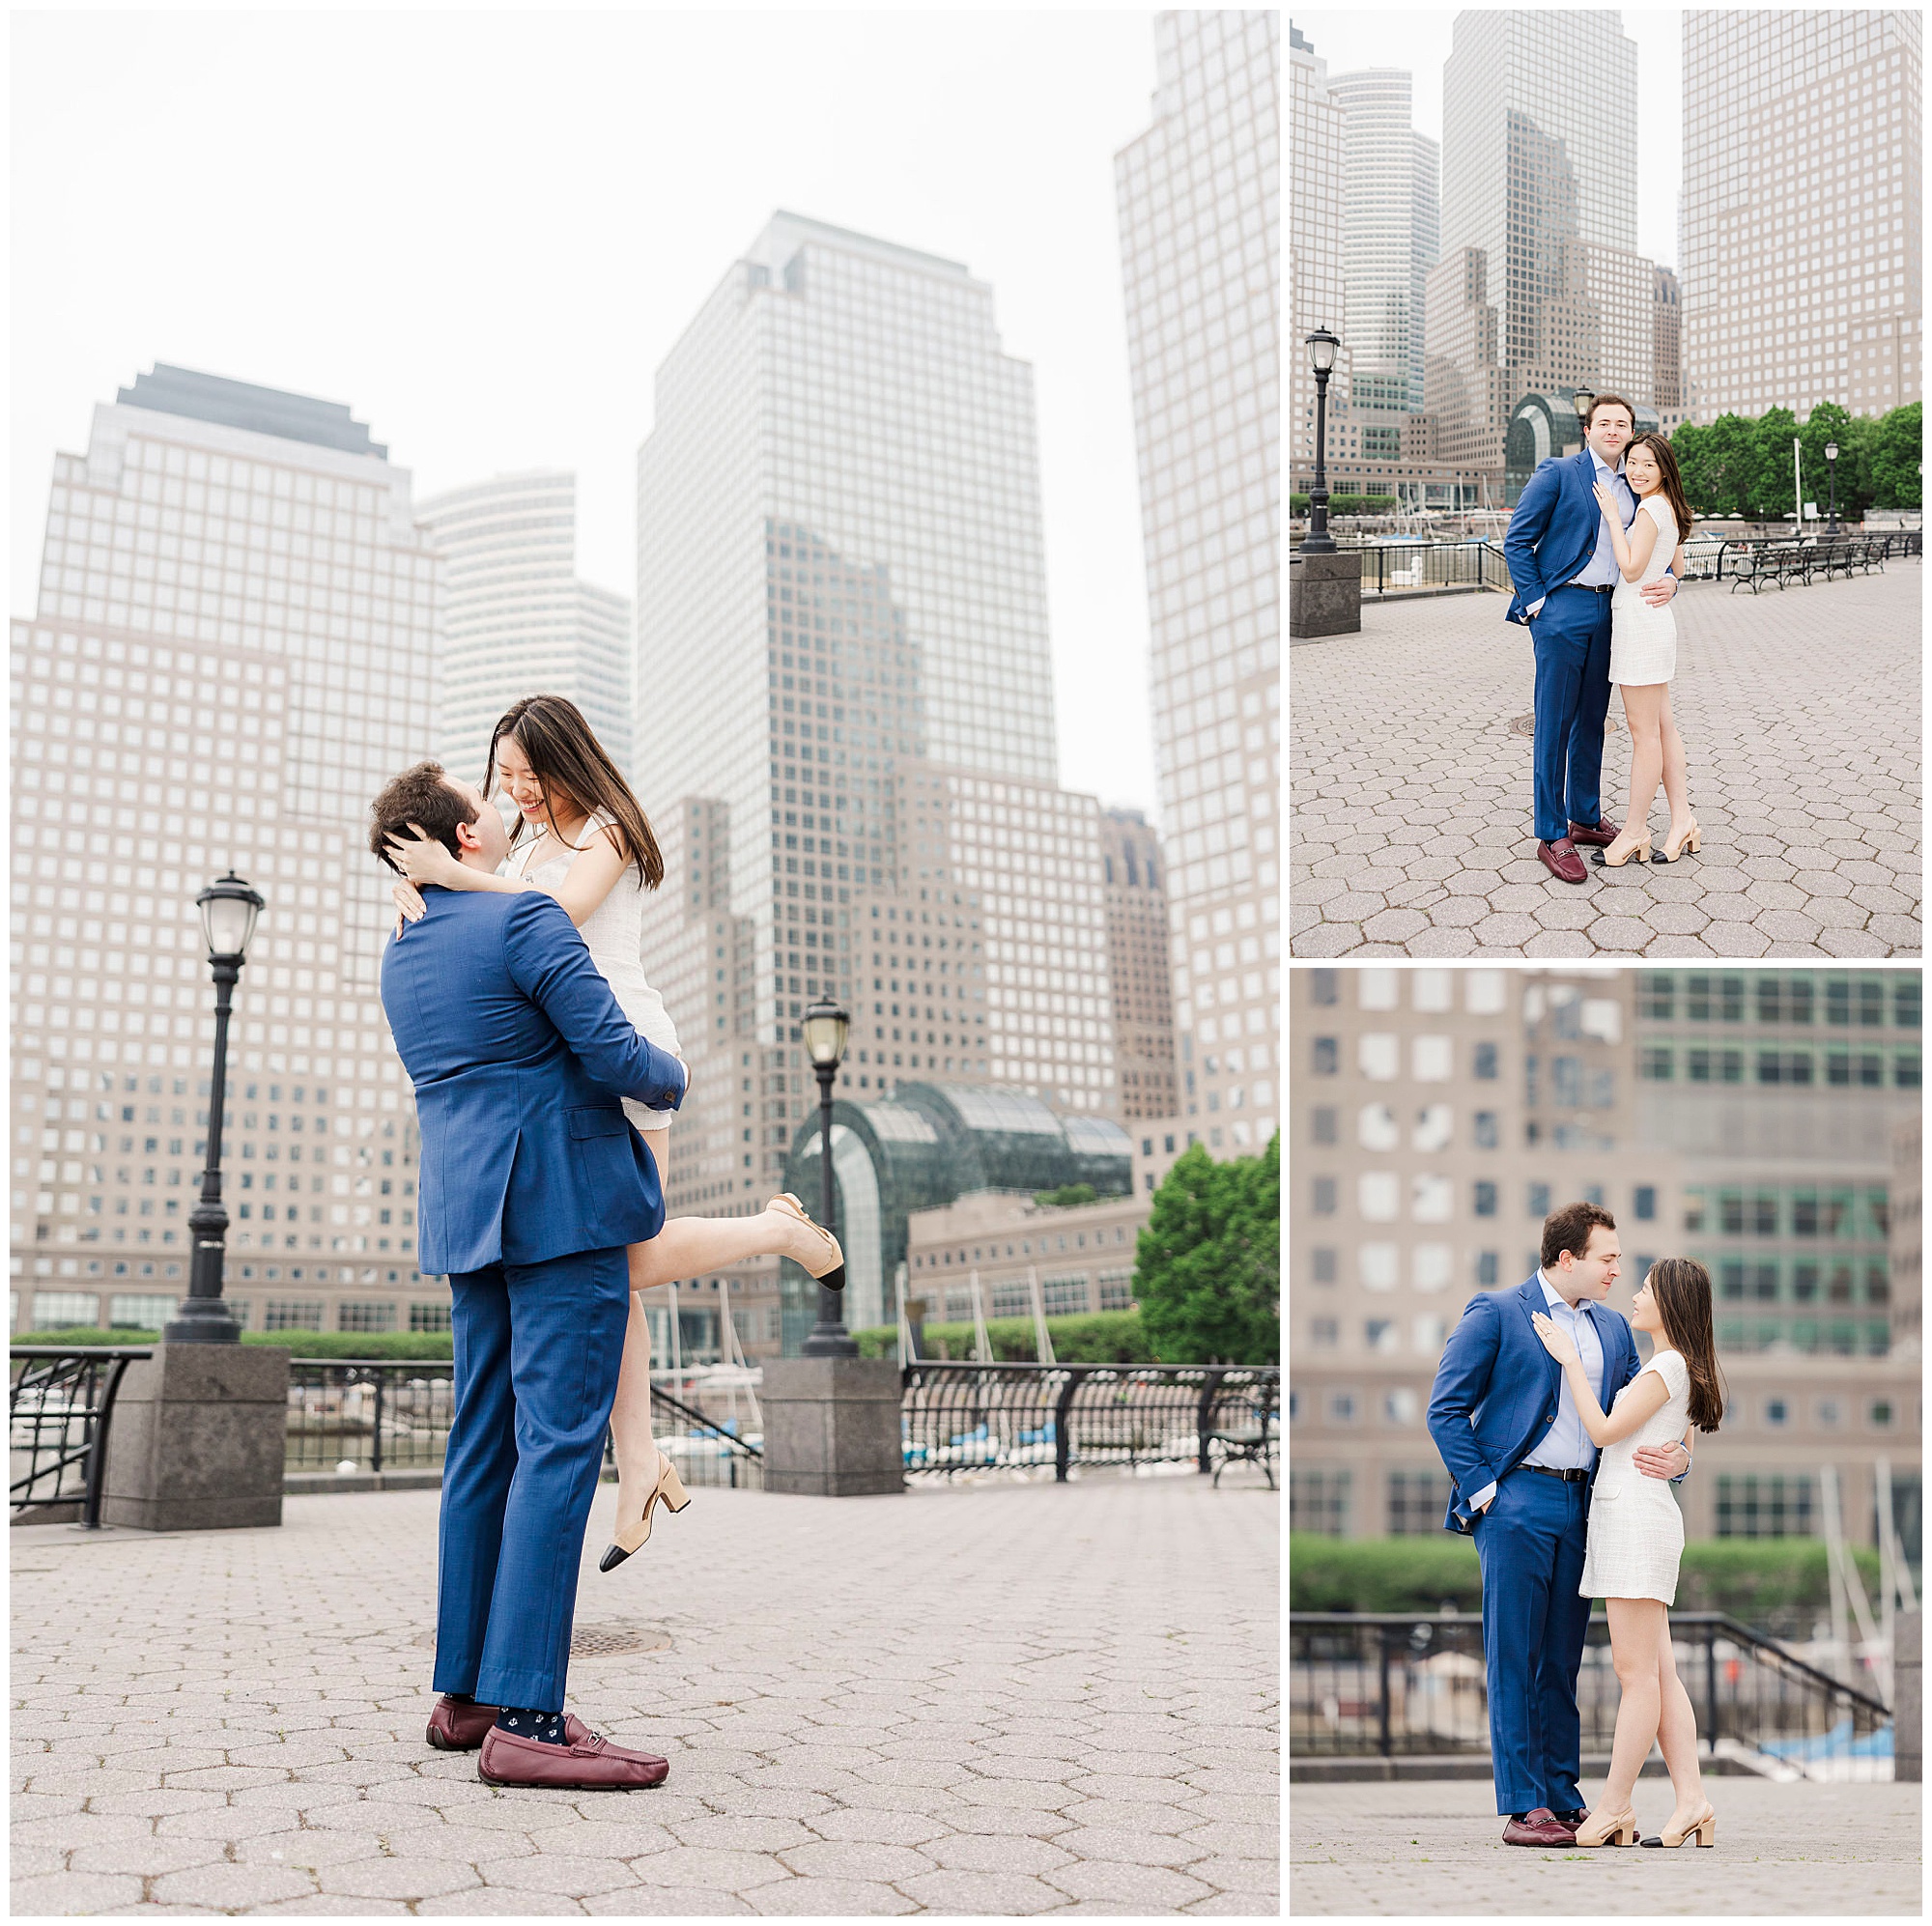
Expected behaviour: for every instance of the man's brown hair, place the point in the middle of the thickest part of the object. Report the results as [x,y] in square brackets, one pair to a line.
[1608,401]
[1569,1229]
[426,796]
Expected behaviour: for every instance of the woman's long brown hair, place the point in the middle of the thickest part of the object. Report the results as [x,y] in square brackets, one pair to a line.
[1670,477]
[1682,1288]
[566,757]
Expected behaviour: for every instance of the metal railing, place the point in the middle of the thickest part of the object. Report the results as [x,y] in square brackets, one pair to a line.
[1410,567]
[976,1417]
[60,1411]
[383,1415]
[1387,1684]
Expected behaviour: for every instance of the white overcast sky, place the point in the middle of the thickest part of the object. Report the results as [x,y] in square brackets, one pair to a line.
[484,230]
[1419,39]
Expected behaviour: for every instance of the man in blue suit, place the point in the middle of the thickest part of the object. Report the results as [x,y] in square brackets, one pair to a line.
[532,1185]
[1523,1464]
[1563,568]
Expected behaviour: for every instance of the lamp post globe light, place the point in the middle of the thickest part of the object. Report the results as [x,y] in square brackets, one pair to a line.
[825,1026]
[1322,346]
[1581,401]
[1832,476]
[228,911]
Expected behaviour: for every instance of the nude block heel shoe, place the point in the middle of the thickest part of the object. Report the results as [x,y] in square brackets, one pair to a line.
[631,1537]
[1626,848]
[1675,847]
[1705,1826]
[828,1264]
[1608,1829]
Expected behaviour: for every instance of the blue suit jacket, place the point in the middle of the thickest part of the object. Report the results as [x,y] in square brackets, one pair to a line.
[1496,1388]
[1553,530]
[519,1054]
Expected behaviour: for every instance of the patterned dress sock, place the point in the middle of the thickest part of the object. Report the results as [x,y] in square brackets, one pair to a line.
[527,1723]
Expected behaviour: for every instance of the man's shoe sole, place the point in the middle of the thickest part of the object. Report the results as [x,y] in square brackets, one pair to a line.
[562,1786]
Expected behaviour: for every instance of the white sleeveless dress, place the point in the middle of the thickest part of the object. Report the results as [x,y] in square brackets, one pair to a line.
[1636,1531]
[1643,640]
[615,934]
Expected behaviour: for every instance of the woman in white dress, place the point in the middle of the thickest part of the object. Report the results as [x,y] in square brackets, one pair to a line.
[590,846]
[1636,1539]
[1643,650]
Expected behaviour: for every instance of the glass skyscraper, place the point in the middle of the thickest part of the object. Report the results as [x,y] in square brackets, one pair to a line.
[517,620]
[1539,224]
[1199,196]
[233,647]
[1803,203]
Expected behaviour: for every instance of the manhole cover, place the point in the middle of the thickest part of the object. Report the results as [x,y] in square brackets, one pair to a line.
[588,1641]
[1525,726]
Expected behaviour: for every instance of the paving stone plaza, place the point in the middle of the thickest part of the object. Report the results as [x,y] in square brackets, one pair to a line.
[1428,1847]
[1004,1700]
[1410,786]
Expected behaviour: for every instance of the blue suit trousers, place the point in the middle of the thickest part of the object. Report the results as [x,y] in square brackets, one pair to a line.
[1572,639]
[1530,1545]
[537,1351]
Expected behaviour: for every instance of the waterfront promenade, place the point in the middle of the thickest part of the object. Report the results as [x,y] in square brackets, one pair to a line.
[1409,785]
[1433,1846]
[1008,1700]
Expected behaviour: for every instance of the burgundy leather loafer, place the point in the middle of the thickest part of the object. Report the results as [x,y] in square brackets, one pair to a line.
[1540,1827]
[1561,859]
[1602,835]
[454,1727]
[590,1763]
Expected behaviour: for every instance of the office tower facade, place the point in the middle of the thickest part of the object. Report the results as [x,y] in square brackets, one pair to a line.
[843,628]
[1317,253]
[1666,320]
[1438,1116]
[1803,203]
[1538,221]
[518,621]
[1200,238]
[234,599]
[1390,225]
[1138,961]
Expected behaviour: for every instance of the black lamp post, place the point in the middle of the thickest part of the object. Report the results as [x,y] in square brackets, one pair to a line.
[1832,476]
[228,912]
[1581,401]
[825,1026]
[1321,347]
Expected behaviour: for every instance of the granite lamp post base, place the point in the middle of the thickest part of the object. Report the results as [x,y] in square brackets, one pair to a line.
[831,1426]
[1324,594]
[199,1439]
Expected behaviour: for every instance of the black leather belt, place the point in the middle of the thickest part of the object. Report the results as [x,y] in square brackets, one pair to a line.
[1588,589]
[1570,1476]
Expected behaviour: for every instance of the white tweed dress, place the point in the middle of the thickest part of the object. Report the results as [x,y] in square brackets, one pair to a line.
[1643,640]
[1636,1531]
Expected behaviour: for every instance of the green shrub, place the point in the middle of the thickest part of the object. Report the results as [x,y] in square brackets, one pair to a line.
[427,1344]
[1067,1196]
[1297,504]
[1751,1579]
[1098,1337]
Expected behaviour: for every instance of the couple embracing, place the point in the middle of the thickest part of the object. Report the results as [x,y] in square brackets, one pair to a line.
[1595,552]
[1558,1442]
[546,1074]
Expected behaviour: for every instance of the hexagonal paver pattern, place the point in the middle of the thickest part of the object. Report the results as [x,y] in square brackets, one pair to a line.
[232,1722]
[1409,795]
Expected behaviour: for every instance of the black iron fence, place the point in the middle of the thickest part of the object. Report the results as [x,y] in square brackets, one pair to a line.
[60,1409]
[975,1417]
[1407,568]
[373,1416]
[1387,1684]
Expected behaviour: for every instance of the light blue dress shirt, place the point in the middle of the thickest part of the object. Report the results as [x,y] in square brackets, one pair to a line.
[1601,571]
[1566,1446]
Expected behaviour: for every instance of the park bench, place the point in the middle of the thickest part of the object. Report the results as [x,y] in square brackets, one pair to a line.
[1770,563]
[1248,1445]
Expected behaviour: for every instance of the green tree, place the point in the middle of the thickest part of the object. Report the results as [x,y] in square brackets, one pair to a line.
[1692,445]
[1828,422]
[1207,1267]
[1770,494]
[1730,463]
[1898,448]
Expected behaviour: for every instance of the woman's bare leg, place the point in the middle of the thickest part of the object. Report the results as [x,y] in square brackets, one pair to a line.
[1677,1733]
[1644,706]
[1676,769]
[1635,1625]
[631,1435]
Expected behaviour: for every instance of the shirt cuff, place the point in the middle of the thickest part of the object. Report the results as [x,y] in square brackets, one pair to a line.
[1535,606]
[1483,1496]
